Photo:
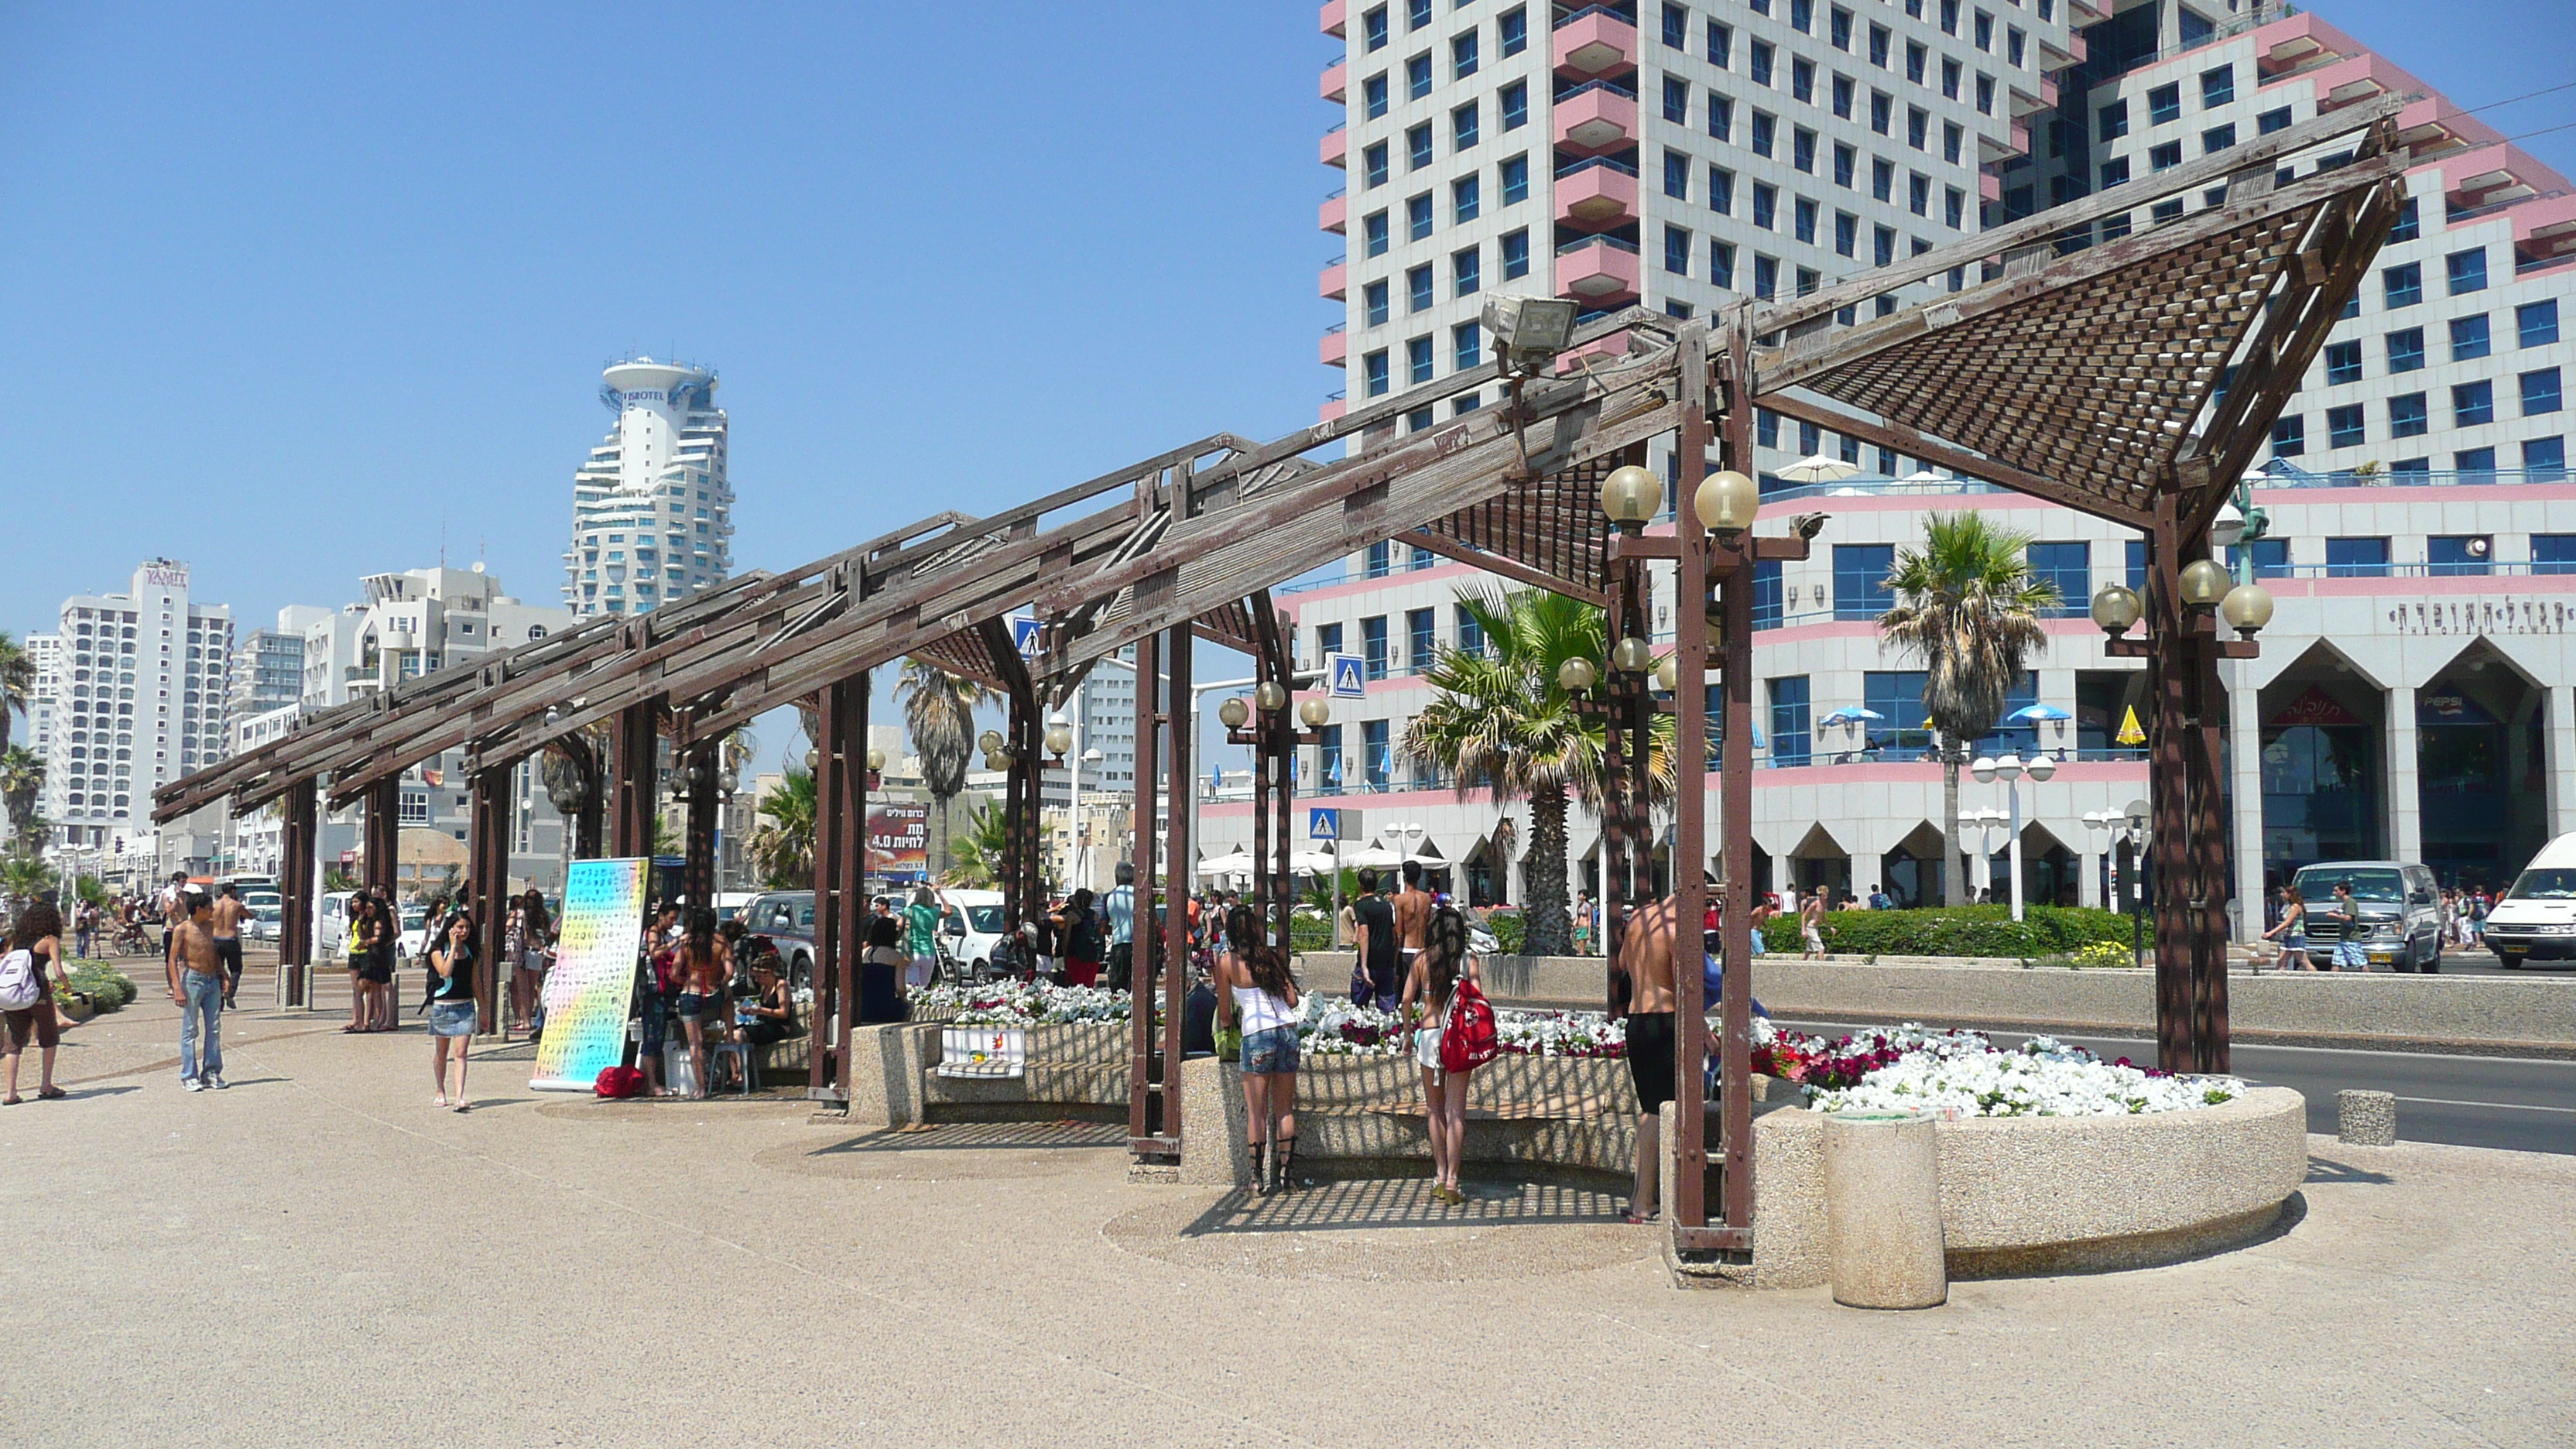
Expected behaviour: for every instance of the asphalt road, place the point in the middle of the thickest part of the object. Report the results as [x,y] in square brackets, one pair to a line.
[2520,1103]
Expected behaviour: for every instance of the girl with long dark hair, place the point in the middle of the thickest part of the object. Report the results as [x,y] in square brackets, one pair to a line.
[530,934]
[39,933]
[1258,993]
[705,964]
[452,1012]
[1433,986]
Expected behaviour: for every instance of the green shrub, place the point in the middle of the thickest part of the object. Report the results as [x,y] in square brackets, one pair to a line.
[2045,931]
[1309,935]
[1510,928]
[103,984]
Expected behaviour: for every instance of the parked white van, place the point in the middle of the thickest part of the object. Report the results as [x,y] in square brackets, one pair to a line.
[2536,920]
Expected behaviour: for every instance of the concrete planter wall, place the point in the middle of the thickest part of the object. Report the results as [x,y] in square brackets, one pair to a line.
[2055,1194]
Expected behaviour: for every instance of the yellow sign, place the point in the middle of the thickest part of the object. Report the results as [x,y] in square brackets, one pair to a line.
[2130,733]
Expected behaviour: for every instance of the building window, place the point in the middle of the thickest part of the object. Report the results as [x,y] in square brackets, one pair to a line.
[2069,566]
[2165,157]
[1515,178]
[1513,31]
[1377,756]
[2356,558]
[1758,60]
[1328,640]
[1721,264]
[1417,77]
[2476,465]
[2289,436]
[2406,350]
[1373,628]
[1462,56]
[1846,234]
[1882,179]
[1467,345]
[2111,122]
[1676,27]
[2409,226]
[1802,81]
[1721,45]
[1471,635]
[2270,121]
[2472,403]
[2467,270]
[1373,165]
[2544,460]
[2540,392]
[1803,216]
[1766,284]
[1721,116]
[1417,147]
[2536,323]
[2343,362]
[1417,288]
[1373,373]
[2271,557]
[1373,305]
[2402,286]
[1516,261]
[2217,138]
[2164,104]
[1328,757]
[1466,199]
[1417,361]
[1463,129]
[1373,231]
[1514,99]
[2553,553]
[1843,92]
[1677,169]
[1792,731]
[1677,250]
[1860,579]
[1766,205]
[1721,191]
[1846,166]
[1373,96]
[2344,426]
[1417,218]
[2458,554]
[2469,340]
[1420,639]
[1467,271]
[2217,87]
[1896,697]
[1765,130]
[2407,416]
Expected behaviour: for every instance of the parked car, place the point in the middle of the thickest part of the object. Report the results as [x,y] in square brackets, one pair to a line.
[331,937]
[787,919]
[264,922]
[970,926]
[2403,910]
[729,904]
[2536,920]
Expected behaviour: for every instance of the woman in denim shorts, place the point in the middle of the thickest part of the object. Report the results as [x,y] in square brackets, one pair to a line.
[1257,993]
[451,1007]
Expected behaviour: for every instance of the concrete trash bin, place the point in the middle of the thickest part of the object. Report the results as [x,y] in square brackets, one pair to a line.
[1883,1210]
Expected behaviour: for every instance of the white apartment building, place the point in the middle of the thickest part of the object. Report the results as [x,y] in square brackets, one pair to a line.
[268,666]
[652,512]
[2405,703]
[45,656]
[138,701]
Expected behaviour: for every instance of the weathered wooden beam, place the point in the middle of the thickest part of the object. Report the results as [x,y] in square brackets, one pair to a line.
[1504,566]
[1915,444]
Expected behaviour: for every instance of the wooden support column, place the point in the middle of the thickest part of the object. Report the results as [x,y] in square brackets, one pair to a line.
[2170,669]
[296,879]
[636,783]
[487,886]
[1146,1136]
[840,884]
[1735,821]
[1689,1189]
[383,842]
[1180,872]
[698,873]
[2211,886]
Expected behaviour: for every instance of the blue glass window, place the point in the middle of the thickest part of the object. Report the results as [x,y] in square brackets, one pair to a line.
[2458,554]
[1515,102]
[1792,731]
[1515,176]
[2537,322]
[2069,566]
[2402,286]
[1471,635]
[2406,350]
[2407,416]
[1768,608]
[2544,460]
[2344,428]
[2343,362]
[2553,553]
[2540,392]
[2472,403]
[1516,261]
[1377,753]
[1896,697]
[1373,637]
[1860,579]
[2469,338]
[1417,361]
[2467,270]
[2356,558]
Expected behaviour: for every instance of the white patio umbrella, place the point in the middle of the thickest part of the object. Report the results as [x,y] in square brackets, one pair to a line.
[1376,857]
[1313,862]
[1238,863]
[1820,468]
[1925,477]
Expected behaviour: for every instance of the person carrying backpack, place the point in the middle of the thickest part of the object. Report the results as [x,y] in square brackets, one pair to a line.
[27,997]
[1454,1035]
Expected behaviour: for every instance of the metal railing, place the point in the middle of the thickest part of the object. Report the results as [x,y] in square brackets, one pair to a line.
[1623,12]
[1588,162]
[1579,243]
[2094,72]
[2277,474]
[1613,87]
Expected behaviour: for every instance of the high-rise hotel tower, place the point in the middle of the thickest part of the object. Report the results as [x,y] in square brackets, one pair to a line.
[652,514]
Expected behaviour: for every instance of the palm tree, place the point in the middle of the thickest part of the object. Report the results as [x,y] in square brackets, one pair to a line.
[17,682]
[1498,723]
[939,714]
[1968,606]
[978,862]
[22,779]
[782,848]
[24,877]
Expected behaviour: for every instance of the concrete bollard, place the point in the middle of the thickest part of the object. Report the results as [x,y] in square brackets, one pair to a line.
[1213,1124]
[2366,1119]
[1883,1210]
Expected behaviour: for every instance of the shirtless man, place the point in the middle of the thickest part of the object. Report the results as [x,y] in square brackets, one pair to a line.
[1412,915]
[197,985]
[229,914]
[1646,954]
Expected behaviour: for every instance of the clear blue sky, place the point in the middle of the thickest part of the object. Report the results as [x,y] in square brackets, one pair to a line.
[289,287]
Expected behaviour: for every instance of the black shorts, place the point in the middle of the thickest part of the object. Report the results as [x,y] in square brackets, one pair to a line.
[228,955]
[1650,1057]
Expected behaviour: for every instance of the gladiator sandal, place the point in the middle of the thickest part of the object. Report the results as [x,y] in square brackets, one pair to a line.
[1260,1178]
[1283,1163]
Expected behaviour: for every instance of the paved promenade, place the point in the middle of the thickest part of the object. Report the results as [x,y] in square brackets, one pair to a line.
[316,1257]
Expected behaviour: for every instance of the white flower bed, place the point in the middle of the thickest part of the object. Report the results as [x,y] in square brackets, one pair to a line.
[1014,1004]
[1961,1074]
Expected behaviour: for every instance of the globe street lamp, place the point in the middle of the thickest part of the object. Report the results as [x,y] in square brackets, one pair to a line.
[2009,769]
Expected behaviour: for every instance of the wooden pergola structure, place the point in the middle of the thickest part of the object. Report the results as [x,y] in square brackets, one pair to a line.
[2133,378]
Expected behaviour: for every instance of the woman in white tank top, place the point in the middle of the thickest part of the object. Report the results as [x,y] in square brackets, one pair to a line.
[1257,994]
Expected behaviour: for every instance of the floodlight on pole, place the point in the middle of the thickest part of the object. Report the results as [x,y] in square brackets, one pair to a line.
[1528,332]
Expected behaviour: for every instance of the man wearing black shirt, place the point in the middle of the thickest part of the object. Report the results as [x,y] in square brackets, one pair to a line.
[1377,944]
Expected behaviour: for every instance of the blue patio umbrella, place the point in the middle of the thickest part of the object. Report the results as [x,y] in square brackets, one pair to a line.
[1850,714]
[2034,713]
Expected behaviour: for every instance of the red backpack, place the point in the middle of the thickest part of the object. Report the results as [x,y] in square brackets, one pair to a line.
[618,1082]
[1470,1038]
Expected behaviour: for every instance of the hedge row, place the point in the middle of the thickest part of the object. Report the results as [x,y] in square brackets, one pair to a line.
[1959,931]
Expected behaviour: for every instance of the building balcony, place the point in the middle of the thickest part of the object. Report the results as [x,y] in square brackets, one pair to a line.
[1601,270]
[1334,215]
[2026,94]
[2296,43]
[1598,117]
[1335,149]
[2006,147]
[1335,350]
[1608,349]
[1596,193]
[1336,83]
[1595,40]
[1336,283]
[1333,407]
[1334,17]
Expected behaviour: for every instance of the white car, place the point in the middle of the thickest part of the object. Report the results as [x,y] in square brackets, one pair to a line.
[970,926]
[332,938]
[415,933]
[2536,920]
[263,923]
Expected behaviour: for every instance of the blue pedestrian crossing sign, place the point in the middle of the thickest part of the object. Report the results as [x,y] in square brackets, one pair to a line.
[1024,637]
[1345,676]
[1323,824]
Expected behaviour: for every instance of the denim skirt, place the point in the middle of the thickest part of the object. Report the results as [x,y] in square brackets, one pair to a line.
[452,1018]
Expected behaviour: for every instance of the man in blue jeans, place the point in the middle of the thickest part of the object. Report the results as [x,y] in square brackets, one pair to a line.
[197,985]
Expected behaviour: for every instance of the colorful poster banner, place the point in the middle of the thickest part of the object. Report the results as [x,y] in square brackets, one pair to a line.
[899,841]
[592,985]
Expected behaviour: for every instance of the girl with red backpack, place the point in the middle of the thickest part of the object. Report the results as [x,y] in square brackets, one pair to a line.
[1454,1035]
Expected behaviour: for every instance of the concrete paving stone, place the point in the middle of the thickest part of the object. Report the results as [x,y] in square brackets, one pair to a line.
[318,1258]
